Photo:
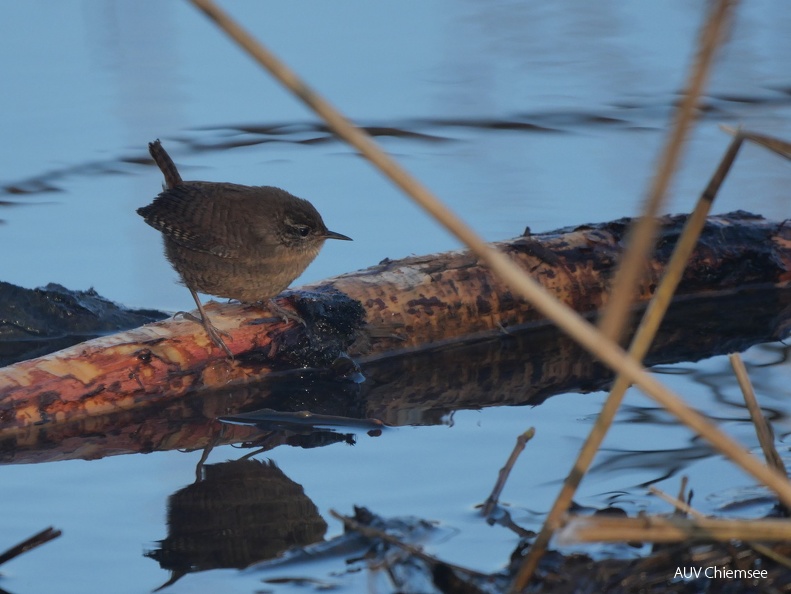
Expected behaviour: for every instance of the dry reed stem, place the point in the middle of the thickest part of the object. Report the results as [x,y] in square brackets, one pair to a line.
[578,529]
[762,428]
[684,507]
[566,319]
[652,318]
[505,471]
[642,235]
[679,504]
[776,145]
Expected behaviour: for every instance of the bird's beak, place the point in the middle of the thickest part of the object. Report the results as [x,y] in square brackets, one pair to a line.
[333,235]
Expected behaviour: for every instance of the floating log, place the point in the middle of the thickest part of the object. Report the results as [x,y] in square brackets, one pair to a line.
[521,368]
[399,305]
[35,322]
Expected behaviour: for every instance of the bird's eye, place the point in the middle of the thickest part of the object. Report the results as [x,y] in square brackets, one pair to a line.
[302,230]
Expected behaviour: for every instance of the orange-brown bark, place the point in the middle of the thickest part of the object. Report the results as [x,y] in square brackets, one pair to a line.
[440,297]
[421,388]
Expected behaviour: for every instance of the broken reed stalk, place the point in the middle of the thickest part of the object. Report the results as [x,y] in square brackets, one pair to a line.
[670,529]
[567,320]
[762,428]
[682,506]
[505,471]
[781,147]
[642,235]
[644,336]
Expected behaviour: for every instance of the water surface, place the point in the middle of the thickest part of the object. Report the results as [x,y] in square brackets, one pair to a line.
[531,114]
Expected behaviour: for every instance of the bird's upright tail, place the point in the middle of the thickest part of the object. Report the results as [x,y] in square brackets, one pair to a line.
[165,164]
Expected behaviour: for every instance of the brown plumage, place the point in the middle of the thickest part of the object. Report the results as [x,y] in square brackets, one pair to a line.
[228,240]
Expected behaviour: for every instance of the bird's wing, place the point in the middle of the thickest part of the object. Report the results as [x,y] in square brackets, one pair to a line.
[186,214]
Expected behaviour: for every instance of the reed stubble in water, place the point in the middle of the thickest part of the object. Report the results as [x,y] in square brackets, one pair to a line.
[241,242]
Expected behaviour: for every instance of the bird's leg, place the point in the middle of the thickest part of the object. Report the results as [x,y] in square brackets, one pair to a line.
[215,334]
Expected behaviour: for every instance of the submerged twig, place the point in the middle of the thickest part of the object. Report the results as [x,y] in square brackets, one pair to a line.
[505,471]
[26,545]
[375,533]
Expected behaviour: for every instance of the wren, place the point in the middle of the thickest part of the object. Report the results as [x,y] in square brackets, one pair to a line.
[241,242]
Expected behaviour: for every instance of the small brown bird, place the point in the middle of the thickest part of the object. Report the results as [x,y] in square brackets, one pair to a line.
[241,242]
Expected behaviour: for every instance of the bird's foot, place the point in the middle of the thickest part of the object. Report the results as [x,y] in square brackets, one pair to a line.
[286,314]
[215,334]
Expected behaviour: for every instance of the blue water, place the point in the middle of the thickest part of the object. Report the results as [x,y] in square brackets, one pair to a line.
[87,85]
